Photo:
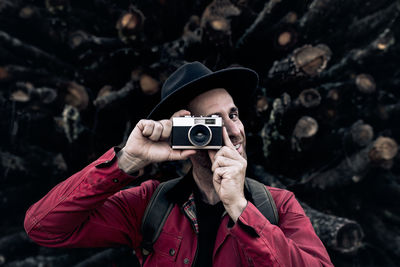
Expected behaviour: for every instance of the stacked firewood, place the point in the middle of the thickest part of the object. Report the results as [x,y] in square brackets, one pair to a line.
[76,76]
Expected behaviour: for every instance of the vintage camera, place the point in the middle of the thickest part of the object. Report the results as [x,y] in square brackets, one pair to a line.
[196,132]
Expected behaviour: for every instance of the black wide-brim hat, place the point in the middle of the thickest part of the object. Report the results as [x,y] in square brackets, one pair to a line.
[193,79]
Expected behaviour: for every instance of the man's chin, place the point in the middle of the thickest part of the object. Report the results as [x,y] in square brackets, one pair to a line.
[201,158]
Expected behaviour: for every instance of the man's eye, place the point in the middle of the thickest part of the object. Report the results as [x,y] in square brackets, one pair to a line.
[234,116]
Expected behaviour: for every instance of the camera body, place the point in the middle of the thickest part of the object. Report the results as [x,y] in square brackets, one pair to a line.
[190,132]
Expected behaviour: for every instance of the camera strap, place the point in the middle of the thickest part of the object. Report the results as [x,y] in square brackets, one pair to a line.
[159,208]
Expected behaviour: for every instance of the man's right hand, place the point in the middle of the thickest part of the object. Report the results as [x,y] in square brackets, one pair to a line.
[148,143]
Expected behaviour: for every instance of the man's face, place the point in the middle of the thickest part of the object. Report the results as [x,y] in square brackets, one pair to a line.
[219,102]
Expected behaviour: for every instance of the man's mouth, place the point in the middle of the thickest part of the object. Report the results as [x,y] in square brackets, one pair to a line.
[237,146]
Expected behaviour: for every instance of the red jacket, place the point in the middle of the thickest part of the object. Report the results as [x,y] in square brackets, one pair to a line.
[89,210]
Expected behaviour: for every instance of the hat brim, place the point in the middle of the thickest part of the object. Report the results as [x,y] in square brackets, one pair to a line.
[240,83]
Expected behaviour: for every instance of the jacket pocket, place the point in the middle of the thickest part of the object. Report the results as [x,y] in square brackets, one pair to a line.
[166,249]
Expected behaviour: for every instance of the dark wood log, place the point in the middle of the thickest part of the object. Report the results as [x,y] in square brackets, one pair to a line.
[357,56]
[41,58]
[25,91]
[361,134]
[262,104]
[380,19]
[130,24]
[58,6]
[29,12]
[70,123]
[337,233]
[261,17]
[306,128]
[14,246]
[259,173]
[215,22]
[305,62]
[83,40]
[387,111]
[178,49]
[10,73]
[76,96]
[270,132]
[385,235]
[308,98]
[355,167]
[114,96]
[365,83]
[17,169]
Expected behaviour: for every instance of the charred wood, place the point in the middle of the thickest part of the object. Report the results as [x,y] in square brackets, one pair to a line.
[340,234]
[305,62]
[355,167]
[107,99]
[357,56]
[40,57]
[306,128]
[130,24]
[15,246]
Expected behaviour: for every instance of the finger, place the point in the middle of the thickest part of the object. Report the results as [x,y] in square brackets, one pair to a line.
[222,161]
[228,152]
[157,130]
[219,174]
[227,140]
[148,127]
[180,113]
[167,128]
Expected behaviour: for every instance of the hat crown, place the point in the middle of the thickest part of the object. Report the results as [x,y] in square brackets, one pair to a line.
[182,76]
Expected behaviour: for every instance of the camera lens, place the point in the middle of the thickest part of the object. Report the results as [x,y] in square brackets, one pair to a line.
[199,135]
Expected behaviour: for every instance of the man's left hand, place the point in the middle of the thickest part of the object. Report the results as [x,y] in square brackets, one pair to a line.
[229,171]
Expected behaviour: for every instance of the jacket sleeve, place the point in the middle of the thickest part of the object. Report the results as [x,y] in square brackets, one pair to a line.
[86,210]
[293,243]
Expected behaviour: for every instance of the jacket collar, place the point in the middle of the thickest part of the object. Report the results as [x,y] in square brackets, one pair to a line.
[182,190]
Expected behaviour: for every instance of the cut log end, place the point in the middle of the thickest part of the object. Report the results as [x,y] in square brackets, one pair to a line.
[291,17]
[365,83]
[306,127]
[28,12]
[384,149]
[4,74]
[312,59]
[149,85]
[56,6]
[221,25]
[130,24]
[362,134]
[20,96]
[285,38]
[349,238]
[309,98]
[77,38]
[262,104]
[77,96]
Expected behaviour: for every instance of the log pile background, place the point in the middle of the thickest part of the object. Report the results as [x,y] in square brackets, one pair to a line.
[75,77]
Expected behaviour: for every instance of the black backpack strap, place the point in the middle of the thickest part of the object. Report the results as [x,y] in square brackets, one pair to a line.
[156,214]
[160,207]
[262,199]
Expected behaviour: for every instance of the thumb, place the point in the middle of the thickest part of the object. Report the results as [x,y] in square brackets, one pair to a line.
[181,154]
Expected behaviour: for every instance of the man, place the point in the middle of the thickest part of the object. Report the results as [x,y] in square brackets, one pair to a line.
[211,223]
